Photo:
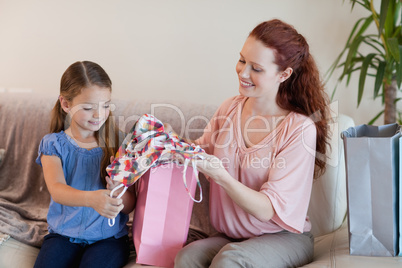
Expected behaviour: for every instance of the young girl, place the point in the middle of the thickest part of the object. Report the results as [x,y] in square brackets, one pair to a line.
[261,157]
[74,159]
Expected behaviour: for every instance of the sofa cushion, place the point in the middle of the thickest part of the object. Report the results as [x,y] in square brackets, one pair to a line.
[2,155]
[328,205]
[16,254]
[24,199]
[332,250]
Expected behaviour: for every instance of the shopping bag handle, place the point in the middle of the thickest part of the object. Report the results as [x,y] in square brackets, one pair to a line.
[186,162]
[112,221]
[352,132]
[349,134]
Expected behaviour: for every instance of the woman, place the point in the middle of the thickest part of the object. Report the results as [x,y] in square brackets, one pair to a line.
[261,156]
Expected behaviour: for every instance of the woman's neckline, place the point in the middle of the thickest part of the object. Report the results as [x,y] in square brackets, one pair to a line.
[270,135]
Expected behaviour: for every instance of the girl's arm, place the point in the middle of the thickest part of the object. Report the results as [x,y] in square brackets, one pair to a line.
[251,201]
[66,195]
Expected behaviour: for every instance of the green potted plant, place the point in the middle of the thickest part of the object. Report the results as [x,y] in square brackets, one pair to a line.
[383,62]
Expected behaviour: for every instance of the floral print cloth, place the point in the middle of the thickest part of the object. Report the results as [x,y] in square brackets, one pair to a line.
[148,145]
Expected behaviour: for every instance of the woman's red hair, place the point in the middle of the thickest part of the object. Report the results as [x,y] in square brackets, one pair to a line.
[303,92]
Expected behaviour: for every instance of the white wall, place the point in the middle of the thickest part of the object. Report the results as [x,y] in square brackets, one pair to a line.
[173,49]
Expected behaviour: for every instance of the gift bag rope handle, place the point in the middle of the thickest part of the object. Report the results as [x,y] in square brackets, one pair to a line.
[186,162]
[196,149]
[112,221]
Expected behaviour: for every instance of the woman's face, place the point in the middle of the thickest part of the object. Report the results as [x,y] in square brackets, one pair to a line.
[258,74]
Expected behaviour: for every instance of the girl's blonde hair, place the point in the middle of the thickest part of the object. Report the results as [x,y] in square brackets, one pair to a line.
[79,75]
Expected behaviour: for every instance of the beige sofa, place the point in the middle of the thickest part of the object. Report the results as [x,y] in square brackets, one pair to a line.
[24,198]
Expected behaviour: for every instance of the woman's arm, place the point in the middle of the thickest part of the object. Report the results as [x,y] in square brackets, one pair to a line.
[66,195]
[251,201]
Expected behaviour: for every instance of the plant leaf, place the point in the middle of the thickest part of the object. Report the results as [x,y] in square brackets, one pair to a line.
[334,91]
[379,77]
[375,117]
[389,21]
[383,15]
[352,52]
[366,3]
[393,48]
[397,13]
[363,73]
[397,32]
[362,28]
[374,44]
[367,22]
[399,69]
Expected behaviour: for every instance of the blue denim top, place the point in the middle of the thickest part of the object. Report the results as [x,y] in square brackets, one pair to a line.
[81,169]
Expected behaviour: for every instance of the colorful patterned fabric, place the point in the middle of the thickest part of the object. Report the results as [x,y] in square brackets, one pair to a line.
[146,146]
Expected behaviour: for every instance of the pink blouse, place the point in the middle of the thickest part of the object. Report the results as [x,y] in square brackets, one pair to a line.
[280,166]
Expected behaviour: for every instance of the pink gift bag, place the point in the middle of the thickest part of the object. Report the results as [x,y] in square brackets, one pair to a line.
[162,214]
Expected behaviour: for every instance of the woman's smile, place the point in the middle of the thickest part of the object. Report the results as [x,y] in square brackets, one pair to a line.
[245,84]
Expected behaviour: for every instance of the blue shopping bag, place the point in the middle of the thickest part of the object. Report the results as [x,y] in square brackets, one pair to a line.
[372,176]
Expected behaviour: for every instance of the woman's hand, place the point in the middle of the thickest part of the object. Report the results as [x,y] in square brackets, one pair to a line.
[167,128]
[251,201]
[212,167]
[104,204]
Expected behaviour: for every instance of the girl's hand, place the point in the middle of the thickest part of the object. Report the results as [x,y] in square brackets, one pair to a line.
[111,184]
[104,204]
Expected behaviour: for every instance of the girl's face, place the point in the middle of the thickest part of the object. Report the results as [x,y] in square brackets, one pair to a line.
[90,109]
[258,74]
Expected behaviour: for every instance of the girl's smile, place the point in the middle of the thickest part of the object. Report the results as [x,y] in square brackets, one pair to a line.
[88,111]
[95,123]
